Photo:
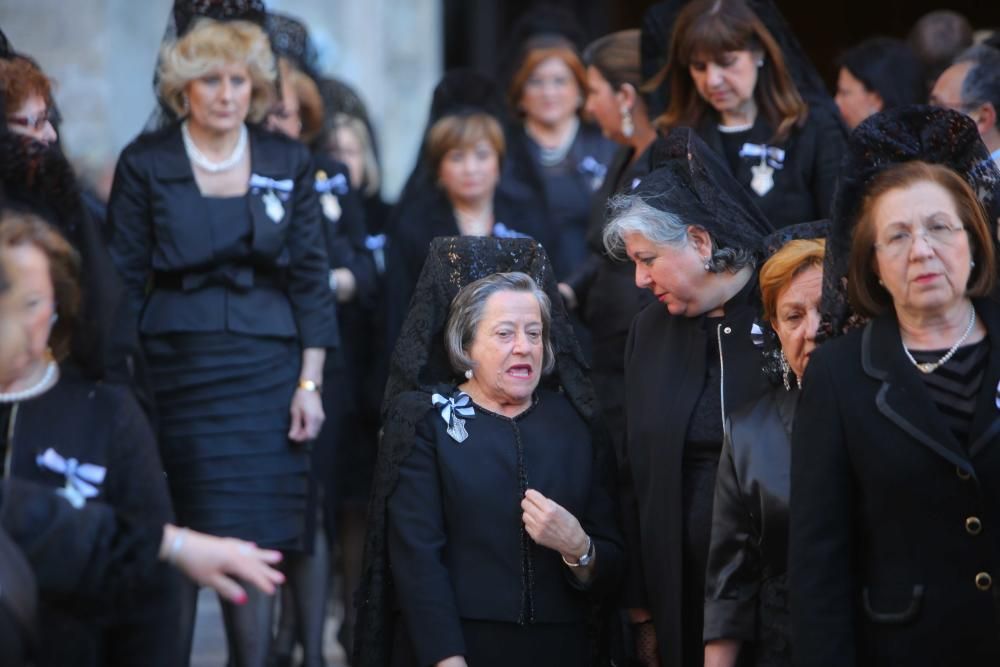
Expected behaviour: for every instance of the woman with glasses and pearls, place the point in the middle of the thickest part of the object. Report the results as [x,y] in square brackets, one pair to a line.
[218,240]
[896,444]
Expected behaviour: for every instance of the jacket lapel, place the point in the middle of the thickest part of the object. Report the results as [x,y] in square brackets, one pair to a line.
[903,398]
[986,422]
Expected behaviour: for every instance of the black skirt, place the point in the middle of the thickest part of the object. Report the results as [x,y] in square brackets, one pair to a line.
[223,401]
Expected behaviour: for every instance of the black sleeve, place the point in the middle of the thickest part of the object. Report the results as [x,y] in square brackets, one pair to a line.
[416,537]
[831,142]
[308,272]
[732,578]
[821,542]
[582,278]
[634,590]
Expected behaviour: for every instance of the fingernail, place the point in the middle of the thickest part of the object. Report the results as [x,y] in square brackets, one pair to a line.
[241,599]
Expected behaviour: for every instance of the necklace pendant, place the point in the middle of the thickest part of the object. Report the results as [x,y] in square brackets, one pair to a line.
[331,207]
[763,178]
[457,430]
[927,367]
[273,207]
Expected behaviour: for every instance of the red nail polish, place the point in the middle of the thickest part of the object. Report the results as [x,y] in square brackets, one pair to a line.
[242,599]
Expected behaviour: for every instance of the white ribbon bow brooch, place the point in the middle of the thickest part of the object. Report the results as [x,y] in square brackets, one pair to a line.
[80,477]
[452,410]
[277,192]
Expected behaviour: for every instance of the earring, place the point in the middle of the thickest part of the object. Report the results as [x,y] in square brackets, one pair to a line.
[881,283]
[785,370]
[628,125]
[760,63]
[53,319]
[708,265]
[468,374]
[972,263]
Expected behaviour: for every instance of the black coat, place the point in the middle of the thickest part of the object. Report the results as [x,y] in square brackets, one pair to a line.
[803,187]
[279,287]
[456,543]
[665,369]
[886,564]
[746,583]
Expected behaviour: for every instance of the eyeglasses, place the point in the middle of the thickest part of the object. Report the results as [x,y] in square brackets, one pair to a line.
[35,121]
[935,234]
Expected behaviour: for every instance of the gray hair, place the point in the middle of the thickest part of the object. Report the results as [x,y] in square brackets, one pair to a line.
[632,214]
[466,313]
[982,82]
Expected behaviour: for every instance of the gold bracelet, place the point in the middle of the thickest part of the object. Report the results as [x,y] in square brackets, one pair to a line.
[309,385]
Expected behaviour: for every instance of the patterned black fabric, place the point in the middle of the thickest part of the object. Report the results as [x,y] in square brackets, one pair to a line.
[690,180]
[420,367]
[904,134]
[187,11]
[954,386]
[290,38]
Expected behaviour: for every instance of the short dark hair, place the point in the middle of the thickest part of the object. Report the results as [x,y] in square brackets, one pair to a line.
[937,37]
[869,298]
[616,57]
[982,82]
[889,67]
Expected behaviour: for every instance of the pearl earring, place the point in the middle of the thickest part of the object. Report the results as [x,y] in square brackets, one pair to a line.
[468,374]
[628,125]
[972,263]
[708,265]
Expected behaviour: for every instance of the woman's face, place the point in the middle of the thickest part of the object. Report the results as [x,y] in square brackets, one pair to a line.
[922,250]
[854,100]
[727,83]
[797,318]
[604,106]
[507,348]
[285,117]
[219,101]
[30,300]
[551,95]
[470,173]
[32,120]
[350,151]
[675,275]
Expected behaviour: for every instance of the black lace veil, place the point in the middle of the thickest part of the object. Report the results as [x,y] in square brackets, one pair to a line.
[419,367]
[904,134]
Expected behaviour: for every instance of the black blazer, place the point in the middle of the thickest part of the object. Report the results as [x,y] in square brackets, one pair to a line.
[895,525]
[803,188]
[456,544]
[665,370]
[746,583]
[158,227]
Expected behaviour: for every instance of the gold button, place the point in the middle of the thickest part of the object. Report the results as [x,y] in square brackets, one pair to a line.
[962,474]
[973,526]
[984,581]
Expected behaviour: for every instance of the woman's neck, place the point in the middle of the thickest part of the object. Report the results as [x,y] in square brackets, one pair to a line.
[729,286]
[31,376]
[552,135]
[481,398]
[745,115]
[644,135]
[474,217]
[216,146]
[937,330]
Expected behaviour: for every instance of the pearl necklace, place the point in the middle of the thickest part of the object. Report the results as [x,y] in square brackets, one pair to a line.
[202,161]
[931,366]
[50,377]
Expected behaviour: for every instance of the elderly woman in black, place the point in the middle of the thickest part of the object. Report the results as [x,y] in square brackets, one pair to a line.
[729,78]
[695,238]
[896,445]
[220,219]
[746,610]
[499,520]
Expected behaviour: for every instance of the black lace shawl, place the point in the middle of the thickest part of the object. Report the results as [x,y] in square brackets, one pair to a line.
[419,366]
[903,134]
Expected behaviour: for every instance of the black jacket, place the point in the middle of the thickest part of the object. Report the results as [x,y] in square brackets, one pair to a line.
[159,228]
[803,187]
[665,370]
[746,584]
[456,543]
[894,549]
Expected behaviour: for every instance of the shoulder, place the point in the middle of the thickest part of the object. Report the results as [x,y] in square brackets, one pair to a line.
[555,405]
[280,152]
[151,143]
[823,123]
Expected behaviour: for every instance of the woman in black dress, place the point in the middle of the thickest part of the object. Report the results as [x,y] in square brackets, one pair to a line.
[729,78]
[492,529]
[695,238]
[221,219]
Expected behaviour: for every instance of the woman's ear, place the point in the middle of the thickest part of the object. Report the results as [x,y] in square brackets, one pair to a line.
[700,240]
[626,95]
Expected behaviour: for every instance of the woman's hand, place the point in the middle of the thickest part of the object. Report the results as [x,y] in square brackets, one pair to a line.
[347,286]
[568,295]
[307,415]
[722,652]
[214,561]
[453,661]
[551,525]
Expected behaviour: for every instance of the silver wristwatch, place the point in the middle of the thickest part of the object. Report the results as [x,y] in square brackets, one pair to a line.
[584,560]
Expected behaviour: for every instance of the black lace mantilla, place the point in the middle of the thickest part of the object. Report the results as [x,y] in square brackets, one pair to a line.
[905,134]
[420,367]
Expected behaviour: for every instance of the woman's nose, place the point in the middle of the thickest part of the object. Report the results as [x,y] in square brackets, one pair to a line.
[49,132]
[641,276]
[713,74]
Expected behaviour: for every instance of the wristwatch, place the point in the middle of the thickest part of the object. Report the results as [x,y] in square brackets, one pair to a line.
[309,385]
[584,560]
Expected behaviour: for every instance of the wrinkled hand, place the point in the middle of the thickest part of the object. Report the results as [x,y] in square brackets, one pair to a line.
[307,415]
[551,525]
[216,561]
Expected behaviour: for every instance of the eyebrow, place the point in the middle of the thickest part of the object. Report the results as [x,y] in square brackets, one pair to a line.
[931,216]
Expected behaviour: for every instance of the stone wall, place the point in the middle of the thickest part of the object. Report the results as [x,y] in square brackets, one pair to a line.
[101,53]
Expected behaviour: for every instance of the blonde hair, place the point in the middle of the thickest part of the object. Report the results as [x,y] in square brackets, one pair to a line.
[357,127]
[211,44]
[778,272]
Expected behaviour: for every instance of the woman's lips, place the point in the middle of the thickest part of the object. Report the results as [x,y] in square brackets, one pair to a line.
[925,278]
[520,371]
